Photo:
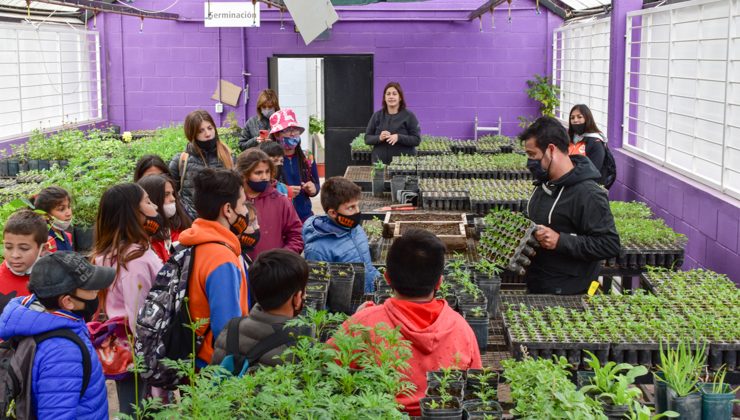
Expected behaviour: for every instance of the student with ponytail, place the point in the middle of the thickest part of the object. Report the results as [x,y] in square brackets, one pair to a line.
[162,193]
[127,219]
[204,150]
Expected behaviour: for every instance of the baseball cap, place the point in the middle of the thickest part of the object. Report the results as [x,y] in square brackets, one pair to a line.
[64,271]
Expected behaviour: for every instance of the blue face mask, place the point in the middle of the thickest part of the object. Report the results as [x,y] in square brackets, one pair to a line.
[291,142]
[258,186]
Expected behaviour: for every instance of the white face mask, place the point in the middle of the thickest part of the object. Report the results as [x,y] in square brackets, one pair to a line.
[28,272]
[170,210]
[61,224]
[267,112]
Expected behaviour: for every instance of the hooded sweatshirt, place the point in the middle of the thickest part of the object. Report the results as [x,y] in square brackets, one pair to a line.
[591,145]
[217,288]
[11,285]
[280,226]
[327,241]
[56,373]
[439,337]
[577,208]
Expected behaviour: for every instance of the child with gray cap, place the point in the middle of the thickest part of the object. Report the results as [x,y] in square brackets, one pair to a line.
[66,381]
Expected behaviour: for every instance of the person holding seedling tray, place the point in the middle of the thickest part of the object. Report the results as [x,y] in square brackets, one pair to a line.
[393,130]
[575,223]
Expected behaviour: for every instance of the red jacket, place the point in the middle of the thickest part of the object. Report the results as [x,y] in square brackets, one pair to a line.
[11,285]
[438,336]
[160,248]
[280,226]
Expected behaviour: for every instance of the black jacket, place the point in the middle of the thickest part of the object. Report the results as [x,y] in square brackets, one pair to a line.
[404,124]
[195,164]
[577,208]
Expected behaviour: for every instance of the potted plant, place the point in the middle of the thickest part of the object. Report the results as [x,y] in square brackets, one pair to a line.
[374,230]
[488,280]
[443,395]
[340,287]
[477,318]
[378,178]
[611,385]
[717,397]
[681,370]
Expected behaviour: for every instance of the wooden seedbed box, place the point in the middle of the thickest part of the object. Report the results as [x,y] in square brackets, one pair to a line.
[451,233]
[389,224]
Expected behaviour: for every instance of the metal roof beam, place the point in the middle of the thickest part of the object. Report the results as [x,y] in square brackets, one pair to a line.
[100,6]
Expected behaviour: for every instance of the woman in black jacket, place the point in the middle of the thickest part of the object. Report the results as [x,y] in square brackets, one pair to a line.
[393,130]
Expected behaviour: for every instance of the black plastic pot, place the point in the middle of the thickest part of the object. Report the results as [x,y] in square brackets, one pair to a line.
[452,413]
[475,409]
[480,328]
[688,407]
[82,238]
[13,167]
[340,294]
[491,287]
[583,378]
[378,184]
[616,412]
[4,168]
[454,388]
[716,406]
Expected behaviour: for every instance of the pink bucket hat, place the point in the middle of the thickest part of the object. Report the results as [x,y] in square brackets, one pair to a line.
[283,119]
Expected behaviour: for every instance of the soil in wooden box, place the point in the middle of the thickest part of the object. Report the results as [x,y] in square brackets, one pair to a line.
[437,229]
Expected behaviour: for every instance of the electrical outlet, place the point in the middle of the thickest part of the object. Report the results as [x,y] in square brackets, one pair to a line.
[219,108]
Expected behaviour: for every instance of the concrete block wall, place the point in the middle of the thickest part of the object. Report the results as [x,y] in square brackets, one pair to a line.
[448,67]
[709,219]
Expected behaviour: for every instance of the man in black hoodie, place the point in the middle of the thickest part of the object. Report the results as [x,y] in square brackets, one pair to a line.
[575,224]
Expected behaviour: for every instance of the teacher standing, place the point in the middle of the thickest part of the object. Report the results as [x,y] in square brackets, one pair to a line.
[393,130]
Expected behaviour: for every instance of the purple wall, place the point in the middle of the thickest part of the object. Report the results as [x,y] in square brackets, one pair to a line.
[448,68]
[709,220]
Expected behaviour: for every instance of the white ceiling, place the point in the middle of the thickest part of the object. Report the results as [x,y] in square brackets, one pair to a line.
[37,5]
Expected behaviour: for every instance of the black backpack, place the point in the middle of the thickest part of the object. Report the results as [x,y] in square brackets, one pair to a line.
[162,324]
[16,362]
[608,169]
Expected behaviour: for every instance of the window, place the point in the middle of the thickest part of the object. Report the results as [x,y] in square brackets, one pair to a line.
[49,76]
[581,68]
[682,90]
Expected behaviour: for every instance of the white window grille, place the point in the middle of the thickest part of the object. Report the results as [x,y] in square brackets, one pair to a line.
[682,90]
[49,76]
[581,68]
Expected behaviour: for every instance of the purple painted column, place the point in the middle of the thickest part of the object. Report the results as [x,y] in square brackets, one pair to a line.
[616,67]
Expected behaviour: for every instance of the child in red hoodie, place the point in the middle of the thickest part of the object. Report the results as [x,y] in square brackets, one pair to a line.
[24,235]
[439,336]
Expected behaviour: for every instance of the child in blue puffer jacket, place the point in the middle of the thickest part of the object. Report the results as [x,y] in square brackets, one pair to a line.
[65,295]
[338,237]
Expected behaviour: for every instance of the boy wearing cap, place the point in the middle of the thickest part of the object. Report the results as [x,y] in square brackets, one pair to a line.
[64,288]
[299,173]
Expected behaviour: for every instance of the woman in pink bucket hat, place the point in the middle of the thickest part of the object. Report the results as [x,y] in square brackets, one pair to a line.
[299,172]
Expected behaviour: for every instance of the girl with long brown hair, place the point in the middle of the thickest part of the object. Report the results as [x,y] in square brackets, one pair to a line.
[204,150]
[162,193]
[279,224]
[585,137]
[126,221]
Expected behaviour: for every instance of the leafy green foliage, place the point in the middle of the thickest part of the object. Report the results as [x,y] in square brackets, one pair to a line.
[681,367]
[638,228]
[315,125]
[612,381]
[542,389]
[543,91]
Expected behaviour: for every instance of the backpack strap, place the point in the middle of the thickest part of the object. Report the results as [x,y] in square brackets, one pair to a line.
[232,344]
[86,361]
[278,338]
[183,166]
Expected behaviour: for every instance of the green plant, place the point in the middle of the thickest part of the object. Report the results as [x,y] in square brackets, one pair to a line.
[610,383]
[315,125]
[477,312]
[681,368]
[542,389]
[544,92]
[719,386]
[378,166]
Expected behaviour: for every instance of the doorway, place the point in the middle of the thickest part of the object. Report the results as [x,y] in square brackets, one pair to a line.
[336,88]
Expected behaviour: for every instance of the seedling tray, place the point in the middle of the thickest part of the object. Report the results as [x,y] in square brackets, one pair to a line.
[445,200]
[542,301]
[726,354]
[456,240]
[361,156]
[389,224]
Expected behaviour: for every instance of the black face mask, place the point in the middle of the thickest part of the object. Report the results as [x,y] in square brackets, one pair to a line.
[538,172]
[240,225]
[249,240]
[152,224]
[578,128]
[91,306]
[349,222]
[208,145]
[258,186]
